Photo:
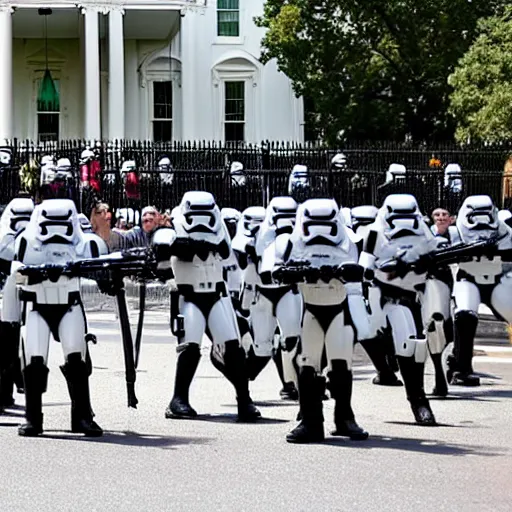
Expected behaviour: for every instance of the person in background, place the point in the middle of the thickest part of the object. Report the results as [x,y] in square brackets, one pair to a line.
[444,225]
[116,239]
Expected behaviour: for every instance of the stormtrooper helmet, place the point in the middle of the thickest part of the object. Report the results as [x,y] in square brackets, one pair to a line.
[319,223]
[299,186]
[401,216]
[281,213]
[230,217]
[16,215]
[363,215]
[339,162]
[57,221]
[453,177]
[5,156]
[200,213]
[395,171]
[478,214]
[252,218]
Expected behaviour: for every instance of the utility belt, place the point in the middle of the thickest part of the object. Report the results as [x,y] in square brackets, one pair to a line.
[74,298]
[398,295]
[188,292]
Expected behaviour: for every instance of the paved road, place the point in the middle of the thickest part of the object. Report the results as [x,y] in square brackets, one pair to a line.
[147,463]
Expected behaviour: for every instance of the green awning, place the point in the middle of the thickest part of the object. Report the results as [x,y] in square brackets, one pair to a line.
[48,96]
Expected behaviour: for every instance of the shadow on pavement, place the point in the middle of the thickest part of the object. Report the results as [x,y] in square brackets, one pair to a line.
[416,445]
[128,438]
[483,395]
[3,424]
[272,403]
[232,418]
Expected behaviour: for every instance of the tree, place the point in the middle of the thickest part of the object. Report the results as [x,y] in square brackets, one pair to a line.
[373,69]
[481,101]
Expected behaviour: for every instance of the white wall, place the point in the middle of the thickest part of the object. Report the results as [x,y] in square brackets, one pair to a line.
[273,112]
[278,114]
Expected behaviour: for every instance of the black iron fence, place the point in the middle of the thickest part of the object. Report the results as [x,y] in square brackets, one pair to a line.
[205,166]
[269,155]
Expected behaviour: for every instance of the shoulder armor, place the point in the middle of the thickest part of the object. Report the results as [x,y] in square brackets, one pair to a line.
[164,236]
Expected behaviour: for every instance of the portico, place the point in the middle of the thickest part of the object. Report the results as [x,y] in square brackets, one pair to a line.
[99,55]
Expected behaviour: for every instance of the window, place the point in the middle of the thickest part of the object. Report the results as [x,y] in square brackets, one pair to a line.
[48,123]
[162,111]
[234,111]
[228,18]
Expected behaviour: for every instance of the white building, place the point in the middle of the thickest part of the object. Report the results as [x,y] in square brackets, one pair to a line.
[144,70]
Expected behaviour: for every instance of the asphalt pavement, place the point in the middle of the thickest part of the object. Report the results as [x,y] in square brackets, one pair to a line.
[147,463]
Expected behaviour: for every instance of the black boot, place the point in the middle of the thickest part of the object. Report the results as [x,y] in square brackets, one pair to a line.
[376,350]
[186,366]
[311,427]
[340,386]
[76,373]
[255,364]
[88,366]
[235,370]
[441,386]
[288,391]
[461,373]
[35,377]
[9,361]
[413,373]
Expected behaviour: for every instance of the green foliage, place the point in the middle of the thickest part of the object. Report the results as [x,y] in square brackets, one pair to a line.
[376,69]
[482,97]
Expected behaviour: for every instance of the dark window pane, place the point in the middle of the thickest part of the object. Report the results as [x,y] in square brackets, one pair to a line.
[228,4]
[162,131]
[234,104]
[228,18]
[234,132]
[162,100]
[48,127]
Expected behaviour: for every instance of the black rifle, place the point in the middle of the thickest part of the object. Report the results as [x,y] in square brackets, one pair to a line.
[429,262]
[109,272]
[295,272]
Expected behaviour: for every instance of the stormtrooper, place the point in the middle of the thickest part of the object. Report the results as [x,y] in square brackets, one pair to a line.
[413,298]
[480,280]
[274,304]
[51,305]
[165,171]
[299,183]
[13,221]
[320,257]
[232,270]
[244,247]
[380,350]
[196,249]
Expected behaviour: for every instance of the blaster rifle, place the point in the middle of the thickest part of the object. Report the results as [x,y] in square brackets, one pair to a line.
[428,262]
[304,272]
[110,270]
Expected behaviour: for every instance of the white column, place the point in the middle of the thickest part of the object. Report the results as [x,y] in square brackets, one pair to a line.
[92,75]
[116,74]
[6,93]
[188,80]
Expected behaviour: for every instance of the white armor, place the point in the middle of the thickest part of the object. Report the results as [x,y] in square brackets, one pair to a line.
[14,220]
[52,307]
[453,178]
[335,313]
[165,170]
[400,232]
[197,249]
[274,304]
[480,280]
[233,272]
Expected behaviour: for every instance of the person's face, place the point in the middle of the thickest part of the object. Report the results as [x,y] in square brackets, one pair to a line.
[149,222]
[104,213]
[442,219]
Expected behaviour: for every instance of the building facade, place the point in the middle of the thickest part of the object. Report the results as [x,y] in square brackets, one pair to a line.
[143,70]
